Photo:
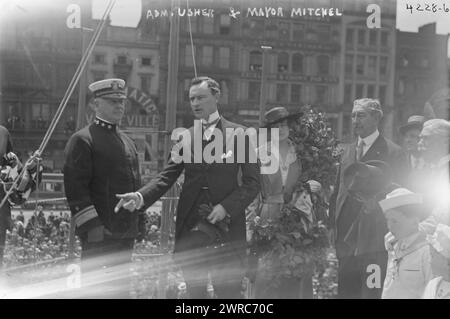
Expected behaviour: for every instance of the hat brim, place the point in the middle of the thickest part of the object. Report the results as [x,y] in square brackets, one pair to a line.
[288,117]
[373,176]
[410,126]
[113,96]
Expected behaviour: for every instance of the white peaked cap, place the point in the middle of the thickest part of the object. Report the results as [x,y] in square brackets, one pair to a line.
[400,197]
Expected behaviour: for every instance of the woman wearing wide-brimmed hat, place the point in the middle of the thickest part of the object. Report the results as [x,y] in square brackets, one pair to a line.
[278,187]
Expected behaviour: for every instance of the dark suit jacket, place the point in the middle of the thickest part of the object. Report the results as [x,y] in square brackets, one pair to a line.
[366,234]
[222,180]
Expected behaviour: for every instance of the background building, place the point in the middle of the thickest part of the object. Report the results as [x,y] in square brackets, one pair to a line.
[368,62]
[420,63]
[38,57]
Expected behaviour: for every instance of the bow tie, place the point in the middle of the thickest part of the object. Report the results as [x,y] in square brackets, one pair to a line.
[209,124]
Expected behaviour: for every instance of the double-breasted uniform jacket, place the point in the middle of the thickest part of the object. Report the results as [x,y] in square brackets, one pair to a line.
[221,178]
[368,233]
[100,162]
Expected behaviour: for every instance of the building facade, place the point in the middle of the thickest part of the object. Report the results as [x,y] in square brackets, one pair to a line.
[38,57]
[323,61]
[420,69]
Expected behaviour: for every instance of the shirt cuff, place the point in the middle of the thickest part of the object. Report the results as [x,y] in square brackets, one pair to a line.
[141,200]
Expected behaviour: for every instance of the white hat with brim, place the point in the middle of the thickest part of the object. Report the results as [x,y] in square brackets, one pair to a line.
[400,197]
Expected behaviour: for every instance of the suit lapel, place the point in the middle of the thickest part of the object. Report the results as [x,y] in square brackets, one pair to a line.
[375,151]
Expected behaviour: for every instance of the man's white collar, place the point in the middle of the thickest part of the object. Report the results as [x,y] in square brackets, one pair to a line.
[212,117]
[369,140]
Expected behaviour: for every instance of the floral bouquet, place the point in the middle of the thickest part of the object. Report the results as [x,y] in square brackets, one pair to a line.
[289,245]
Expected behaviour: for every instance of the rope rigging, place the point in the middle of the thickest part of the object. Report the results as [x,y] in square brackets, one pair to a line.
[192,41]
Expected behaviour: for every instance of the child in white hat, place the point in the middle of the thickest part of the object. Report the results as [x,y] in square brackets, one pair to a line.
[412,261]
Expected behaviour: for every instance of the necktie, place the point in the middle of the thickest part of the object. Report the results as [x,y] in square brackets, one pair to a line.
[206,126]
[360,150]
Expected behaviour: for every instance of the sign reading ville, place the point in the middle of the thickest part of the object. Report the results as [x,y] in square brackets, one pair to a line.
[140,111]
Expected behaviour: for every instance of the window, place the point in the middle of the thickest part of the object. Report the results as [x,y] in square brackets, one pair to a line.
[404,60]
[361,37]
[225,22]
[224,58]
[257,28]
[40,115]
[98,76]
[121,59]
[401,87]
[383,65]
[255,61]
[349,64]
[348,93]
[146,81]
[323,64]
[323,33]
[187,85]
[188,58]
[424,62]
[373,37]
[207,55]
[360,65]
[298,31]
[283,28]
[359,91]
[254,91]
[282,93]
[311,35]
[224,91]
[384,38]
[297,63]
[146,61]
[272,32]
[382,94]
[372,66]
[194,22]
[208,25]
[349,40]
[321,94]
[296,93]
[283,62]
[99,59]
[371,91]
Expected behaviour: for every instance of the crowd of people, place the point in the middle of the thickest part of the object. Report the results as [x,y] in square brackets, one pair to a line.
[37,239]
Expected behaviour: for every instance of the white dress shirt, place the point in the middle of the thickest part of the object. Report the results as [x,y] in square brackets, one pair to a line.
[209,131]
[368,141]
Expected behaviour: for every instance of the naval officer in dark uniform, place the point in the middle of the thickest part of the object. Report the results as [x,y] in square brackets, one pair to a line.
[101,161]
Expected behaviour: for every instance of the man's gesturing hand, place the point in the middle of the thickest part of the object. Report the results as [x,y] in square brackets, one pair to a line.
[218,213]
[129,201]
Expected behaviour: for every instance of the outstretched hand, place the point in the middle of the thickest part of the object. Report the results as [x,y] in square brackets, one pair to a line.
[129,201]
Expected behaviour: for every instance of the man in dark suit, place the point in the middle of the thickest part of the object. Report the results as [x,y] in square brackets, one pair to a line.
[358,250]
[211,196]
